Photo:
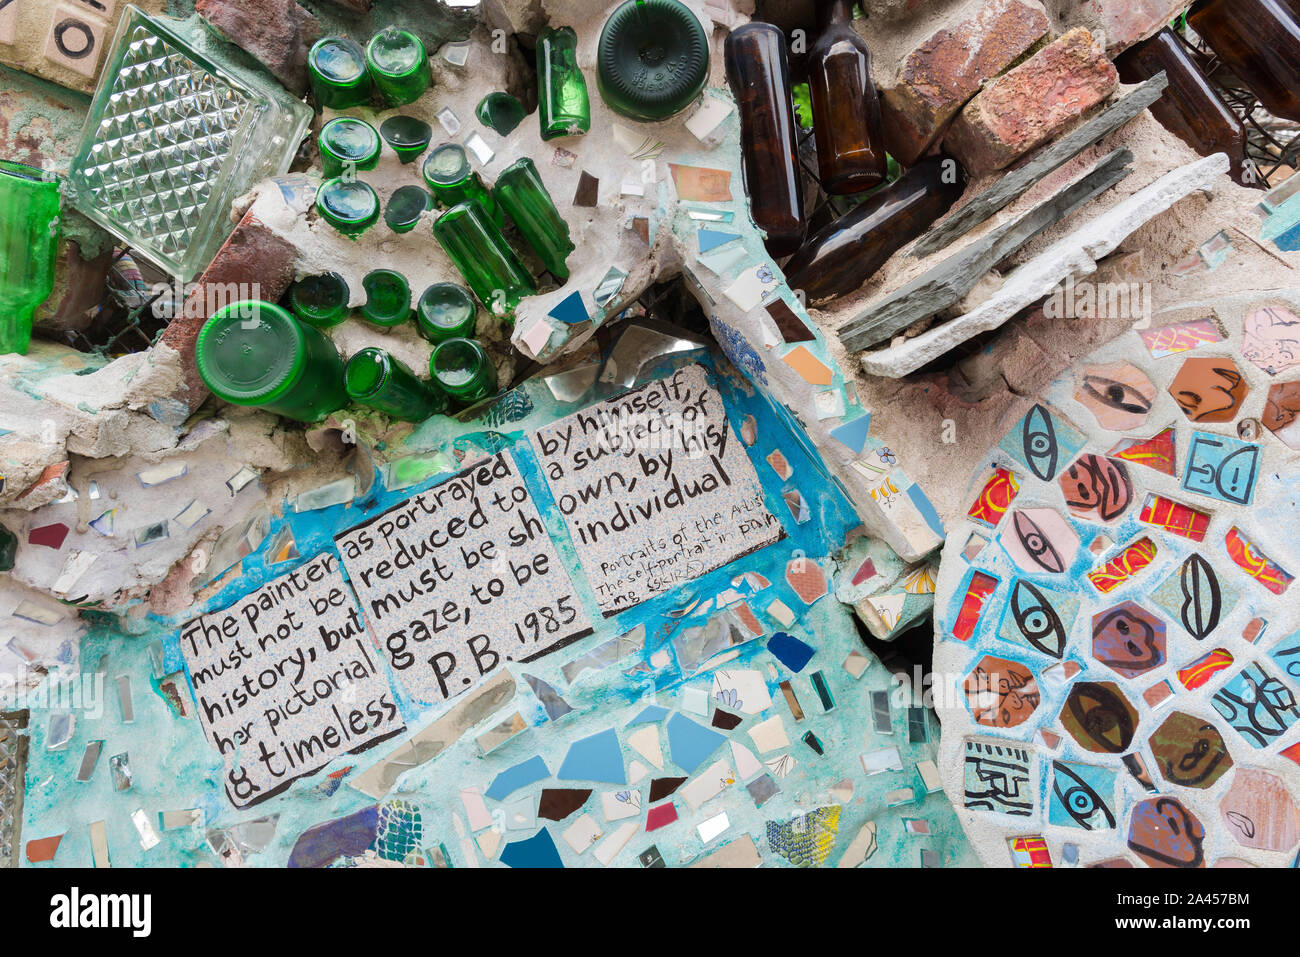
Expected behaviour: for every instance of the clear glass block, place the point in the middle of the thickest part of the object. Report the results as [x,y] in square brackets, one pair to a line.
[171,139]
[479,147]
[456,53]
[449,120]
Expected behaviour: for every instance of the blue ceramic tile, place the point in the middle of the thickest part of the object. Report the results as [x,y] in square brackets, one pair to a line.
[853,434]
[594,758]
[713,238]
[570,310]
[650,715]
[538,851]
[690,744]
[514,778]
[790,651]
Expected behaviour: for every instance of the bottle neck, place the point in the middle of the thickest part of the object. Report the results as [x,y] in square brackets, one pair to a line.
[834,13]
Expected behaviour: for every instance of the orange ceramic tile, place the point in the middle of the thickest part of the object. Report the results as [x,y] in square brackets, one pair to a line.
[813,370]
[807,579]
[699,184]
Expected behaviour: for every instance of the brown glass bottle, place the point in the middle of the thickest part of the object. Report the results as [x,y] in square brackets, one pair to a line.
[841,256]
[1190,107]
[1259,41]
[845,106]
[759,75]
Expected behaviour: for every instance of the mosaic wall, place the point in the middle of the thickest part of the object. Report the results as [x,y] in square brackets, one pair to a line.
[1115,632]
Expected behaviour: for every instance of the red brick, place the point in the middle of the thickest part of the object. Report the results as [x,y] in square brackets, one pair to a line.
[1121,22]
[278,33]
[253,255]
[937,78]
[1032,104]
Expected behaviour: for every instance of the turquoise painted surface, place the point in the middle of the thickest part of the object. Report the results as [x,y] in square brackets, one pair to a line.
[175,768]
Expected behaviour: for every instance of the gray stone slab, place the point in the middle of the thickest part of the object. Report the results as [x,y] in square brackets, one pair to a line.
[1014,184]
[952,279]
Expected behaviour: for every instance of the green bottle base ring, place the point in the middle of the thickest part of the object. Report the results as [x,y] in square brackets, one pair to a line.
[336,68]
[408,136]
[348,144]
[463,370]
[446,310]
[652,60]
[255,354]
[388,298]
[405,207]
[320,301]
[350,206]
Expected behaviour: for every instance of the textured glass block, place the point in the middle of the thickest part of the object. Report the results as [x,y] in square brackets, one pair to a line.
[171,139]
[12,767]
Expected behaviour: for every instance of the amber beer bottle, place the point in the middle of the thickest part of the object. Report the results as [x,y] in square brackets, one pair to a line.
[846,108]
[759,74]
[841,256]
[1190,107]
[1259,41]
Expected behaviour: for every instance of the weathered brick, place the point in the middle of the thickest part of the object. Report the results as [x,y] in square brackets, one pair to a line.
[1032,104]
[278,33]
[252,258]
[1121,22]
[938,77]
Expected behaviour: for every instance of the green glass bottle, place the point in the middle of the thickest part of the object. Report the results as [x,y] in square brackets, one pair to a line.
[448,173]
[463,370]
[256,354]
[484,258]
[405,207]
[320,301]
[349,205]
[408,136]
[347,145]
[375,378]
[399,65]
[388,298]
[336,69]
[501,112]
[522,194]
[652,60]
[562,105]
[29,242]
[445,311]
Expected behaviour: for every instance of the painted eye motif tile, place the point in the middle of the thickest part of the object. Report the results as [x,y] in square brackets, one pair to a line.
[1040,540]
[1196,596]
[1260,812]
[1001,693]
[1222,468]
[1043,441]
[1189,751]
[1257,705]
[1209,389]
[1164,833]
[1083,796]
[1098,716]
[1128,639]
[1247,556]
[1272,339]
[998,776]
[1039,618]
[995,497]
[1280,412]
[1096,488]
[979,590]
[1118,394]
[1156,453]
